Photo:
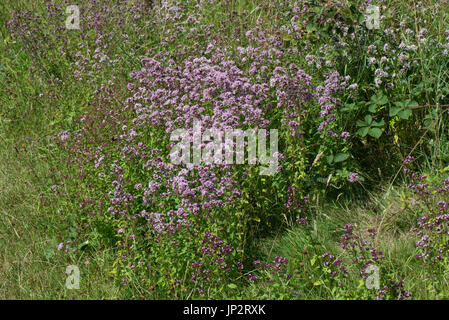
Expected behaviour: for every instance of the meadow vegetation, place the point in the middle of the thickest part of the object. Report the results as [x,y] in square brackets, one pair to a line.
[362,186]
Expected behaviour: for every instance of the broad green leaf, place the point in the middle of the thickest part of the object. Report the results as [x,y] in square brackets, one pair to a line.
[363,131]
[394,111]
[381,123]
[375,132]
[361,123]
[379,99]
[383,100]
[368,119]
[413,104]
[399,104]
[361,19]
[341,157]
[404,114]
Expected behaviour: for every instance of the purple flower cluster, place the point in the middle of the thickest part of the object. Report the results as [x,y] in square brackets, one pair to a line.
[276,268]
[360,248]
[395,289]
[432,228]
[353,177]
[213,256]
[335,264]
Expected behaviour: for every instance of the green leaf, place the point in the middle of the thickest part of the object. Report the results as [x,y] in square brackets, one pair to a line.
[404,114]
[375,132]
[361,19]
[368,119]
[232,286]
[381,123]
[341,157]
[363,131]
[413,104]
[382,100]
[394,111]
[361,123]
[372,108]
[330,159]
[379,99]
